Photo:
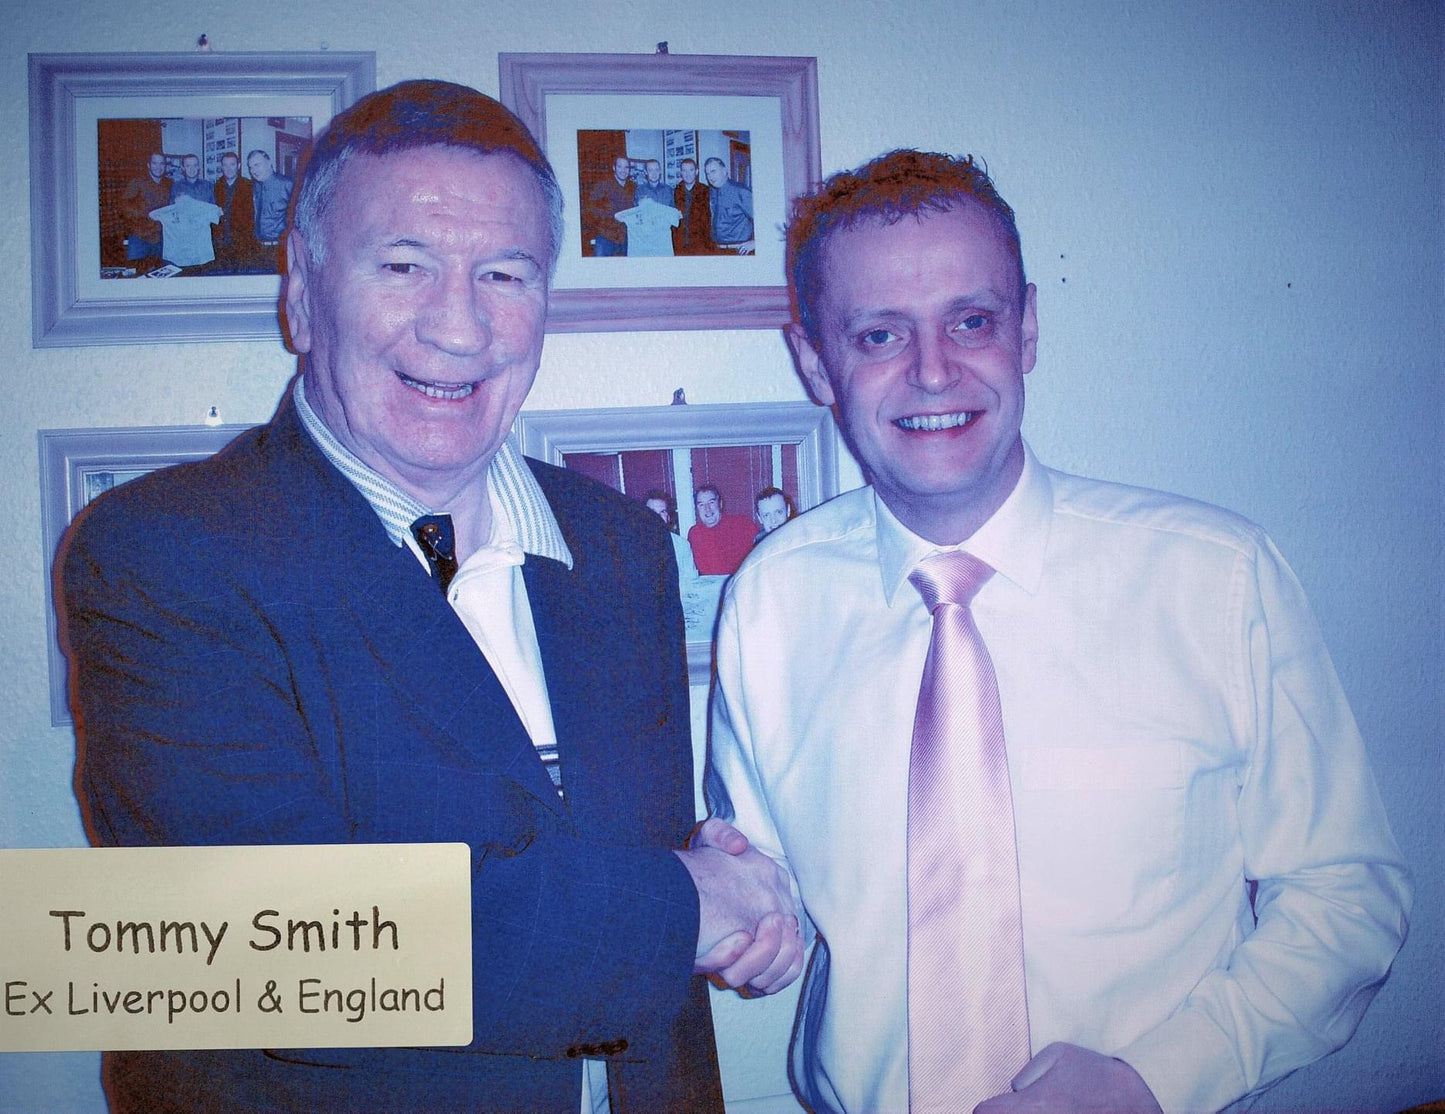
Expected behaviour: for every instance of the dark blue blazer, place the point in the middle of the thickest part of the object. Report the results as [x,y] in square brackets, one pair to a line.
[253,661]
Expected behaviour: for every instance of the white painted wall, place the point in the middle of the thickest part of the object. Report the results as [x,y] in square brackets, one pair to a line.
[1233,213]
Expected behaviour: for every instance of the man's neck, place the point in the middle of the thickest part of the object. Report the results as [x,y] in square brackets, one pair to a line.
[954,518]
[471,519]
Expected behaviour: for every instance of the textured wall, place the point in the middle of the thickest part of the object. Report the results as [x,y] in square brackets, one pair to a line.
[1233,214]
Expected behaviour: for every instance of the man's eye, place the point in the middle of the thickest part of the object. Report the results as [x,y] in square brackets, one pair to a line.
[973,321]
[400,268]
[873,338]
[500,276]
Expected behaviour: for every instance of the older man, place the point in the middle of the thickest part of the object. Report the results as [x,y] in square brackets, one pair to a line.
[1078,744]
[271,194]
[371,620]
[719,541]
[732,209]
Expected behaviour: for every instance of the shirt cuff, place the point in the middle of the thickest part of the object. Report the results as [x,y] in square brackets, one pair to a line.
[1189,1064]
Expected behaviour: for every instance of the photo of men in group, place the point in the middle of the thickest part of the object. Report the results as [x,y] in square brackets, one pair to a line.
[660,192]
[191,196]
[718,501]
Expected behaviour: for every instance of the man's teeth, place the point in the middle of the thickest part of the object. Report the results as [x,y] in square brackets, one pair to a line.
[931,422]
[440,390]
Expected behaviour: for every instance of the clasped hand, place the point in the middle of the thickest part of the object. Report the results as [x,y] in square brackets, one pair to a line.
[749,930]
[1067,1077]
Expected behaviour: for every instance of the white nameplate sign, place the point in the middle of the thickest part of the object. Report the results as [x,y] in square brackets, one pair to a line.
[354,945]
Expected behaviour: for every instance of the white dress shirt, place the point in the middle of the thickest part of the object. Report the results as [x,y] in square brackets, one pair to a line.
[1175,729]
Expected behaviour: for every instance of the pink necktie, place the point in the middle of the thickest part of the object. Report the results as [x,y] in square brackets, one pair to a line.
[968,1029]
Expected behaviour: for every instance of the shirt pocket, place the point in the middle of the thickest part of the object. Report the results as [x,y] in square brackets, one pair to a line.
[1100,834]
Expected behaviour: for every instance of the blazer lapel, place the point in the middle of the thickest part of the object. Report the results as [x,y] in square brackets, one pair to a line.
[405,622]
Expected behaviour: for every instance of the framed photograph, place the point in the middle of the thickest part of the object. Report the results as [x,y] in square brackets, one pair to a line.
[677,172]
[173,167]
[76,465]
[721,477]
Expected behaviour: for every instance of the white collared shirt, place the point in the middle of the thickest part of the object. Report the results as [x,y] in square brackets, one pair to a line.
[1174,727]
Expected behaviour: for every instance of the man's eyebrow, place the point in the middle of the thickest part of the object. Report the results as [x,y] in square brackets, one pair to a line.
[512,254]
[522,255]
[986,298]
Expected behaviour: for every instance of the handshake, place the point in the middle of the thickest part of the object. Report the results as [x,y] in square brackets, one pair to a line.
[749,925]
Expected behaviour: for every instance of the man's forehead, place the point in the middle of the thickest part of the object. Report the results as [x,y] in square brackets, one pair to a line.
[876,241]
[364,171]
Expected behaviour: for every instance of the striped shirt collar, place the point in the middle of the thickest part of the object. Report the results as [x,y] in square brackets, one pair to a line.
[511,484]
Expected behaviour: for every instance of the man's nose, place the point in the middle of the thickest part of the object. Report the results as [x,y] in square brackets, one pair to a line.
[455,319]
[935,365]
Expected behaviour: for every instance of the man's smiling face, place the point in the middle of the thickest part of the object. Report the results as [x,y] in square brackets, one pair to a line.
[923,340]
[423,321]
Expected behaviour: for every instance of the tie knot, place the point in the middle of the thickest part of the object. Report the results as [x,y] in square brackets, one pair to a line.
[953,577]
[433,532]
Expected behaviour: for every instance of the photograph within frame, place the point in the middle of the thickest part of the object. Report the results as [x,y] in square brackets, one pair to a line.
[774,99]
[649,192]
[76,466]
[196,197]
[743,450]
[69,95]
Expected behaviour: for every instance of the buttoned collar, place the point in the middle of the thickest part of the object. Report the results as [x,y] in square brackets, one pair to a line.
[1013,541]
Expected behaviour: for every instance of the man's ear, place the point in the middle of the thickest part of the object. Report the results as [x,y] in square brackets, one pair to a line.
[296,302]
[810,365]
[1029,351]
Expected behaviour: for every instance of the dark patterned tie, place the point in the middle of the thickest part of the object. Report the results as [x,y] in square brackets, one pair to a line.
[968,1030]
[433,532]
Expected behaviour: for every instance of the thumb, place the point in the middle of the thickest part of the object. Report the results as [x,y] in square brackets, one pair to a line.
[713,832]
[1037,1067]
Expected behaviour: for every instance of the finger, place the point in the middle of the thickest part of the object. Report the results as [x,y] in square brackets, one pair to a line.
[713,832]
[784,978]
[724,953]
[767,939]
[1005,1103]
[786,965]
[789,976]
[1035,1069]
